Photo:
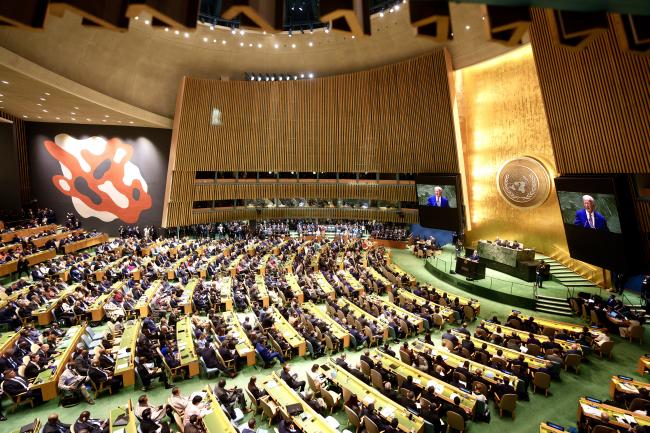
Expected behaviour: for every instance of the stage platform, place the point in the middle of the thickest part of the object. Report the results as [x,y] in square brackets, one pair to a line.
[499,286]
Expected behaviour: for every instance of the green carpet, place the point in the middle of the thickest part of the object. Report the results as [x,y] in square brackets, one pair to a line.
[559,407]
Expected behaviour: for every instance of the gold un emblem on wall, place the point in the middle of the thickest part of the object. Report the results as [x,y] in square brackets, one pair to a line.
[524,182]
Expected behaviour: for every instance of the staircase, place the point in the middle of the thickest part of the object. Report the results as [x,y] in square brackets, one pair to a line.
[569,278]
[550,304]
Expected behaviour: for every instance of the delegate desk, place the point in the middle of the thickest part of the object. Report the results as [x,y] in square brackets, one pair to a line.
[404,296]
[215,419]
[366,394]
[643,365]
[626,385]
[618,418]
[489,374]
[85,243]
[335,329]
[8,339]
[32,259]
[423,380]
[96,309]
[571,328]
[142,306]
[309,421]
[324,285]
[292,281]
[44,312]
[244,347]
[412,318]
[22,233]
[224,285]
[519,263]
[353,282]
[358,312]
[262,291]
[47,380]
[474,270]
[125,353]
[523,335]
[186,351]
[118,412]
[396,270]
[187,296]
[474,303]
[293,337]
[534,363]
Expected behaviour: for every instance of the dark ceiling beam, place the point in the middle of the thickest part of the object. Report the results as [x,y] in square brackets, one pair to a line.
[506,25]
[177,14]
[431,19]
[576,29]
[632,32]
[349,16]
[24,14]
[263,15]
[109,14]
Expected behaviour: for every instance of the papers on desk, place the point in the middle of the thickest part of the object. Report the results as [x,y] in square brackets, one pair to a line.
[122,366]
[489,374]
[332,422]
[453,396]
[438,388]
[121,430]
[628,387]
[201,394]
[271,384]
[416,381]
[387,412]
[590,410]
[625,419]
[368,400]
[123,354]
[205,412]
[523,349]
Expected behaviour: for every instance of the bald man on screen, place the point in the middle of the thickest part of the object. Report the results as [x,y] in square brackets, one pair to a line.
[588,218]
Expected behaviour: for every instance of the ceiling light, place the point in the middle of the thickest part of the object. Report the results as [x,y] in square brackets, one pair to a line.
[88,119]
[264,32]
[293,45]
[176,32]
[166,29]
[250,45]
[73,118]
[44,111]
[233,31]
[214,40]
[47,94]
[57,118]
[103,120]
[211,27]
[38,117]
[302,75]
[187,35]
[223,42]
[119,121]
[259,45]
[42,99]
[391,10]
[146,22]
[241,44]
[73,113]
[205,39]
[131,122]
[396,7]
[311,75]
[137,18]
[5,82]
[311,44]
[106,115]
[354,37]
[241,32]
[327,29]
[1,95]
[381,14]
[76,108]
[24,116]
[467,27]
[276,46]
[39,104]
[1,102]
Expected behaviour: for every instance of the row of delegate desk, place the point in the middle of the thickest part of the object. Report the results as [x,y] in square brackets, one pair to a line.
[335,329]
[289,333]
[32,259]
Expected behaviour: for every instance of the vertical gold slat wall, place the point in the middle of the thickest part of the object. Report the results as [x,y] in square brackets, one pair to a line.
[597,103]
[21,154]
[394,119]
[225,214]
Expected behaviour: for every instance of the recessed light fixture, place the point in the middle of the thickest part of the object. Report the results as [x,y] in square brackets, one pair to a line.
[311,44]
[354,37]
[166,29]
[211,27]
[214,40]
[47,94]
[131,122]
[381,14]
[44,111]
[137,18]
[42,99]
[119,121]
[311,75]
[205,39]
[107,116]
[25,116]
[241,44]
[38,117]
[223,42]
[176,32]
[187,35]
[146,22]
[241,32]
[103,120]
[39,104]
[76,108]
[57,118]
[73,118]
[233,31]
[467,27]
[250,45]
[88,119]
[1,95]
[293,45]
[5,82]
[73,113]
[259,45]
[276,46]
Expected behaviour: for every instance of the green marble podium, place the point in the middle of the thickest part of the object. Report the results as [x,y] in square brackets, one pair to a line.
[505,255]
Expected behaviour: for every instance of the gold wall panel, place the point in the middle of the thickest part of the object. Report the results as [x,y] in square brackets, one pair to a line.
[393,119]
[21,153]
[502,117]
[597,101]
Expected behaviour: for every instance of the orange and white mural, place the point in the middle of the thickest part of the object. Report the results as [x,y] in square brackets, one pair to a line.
[99,177]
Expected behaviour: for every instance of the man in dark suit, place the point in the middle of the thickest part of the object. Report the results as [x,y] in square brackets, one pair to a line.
[84,422]
[588,217]
[296,385]
[437,200]
[99,376]
[54,425]
[14,385]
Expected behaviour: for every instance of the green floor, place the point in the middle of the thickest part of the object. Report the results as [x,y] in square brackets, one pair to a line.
[559,407]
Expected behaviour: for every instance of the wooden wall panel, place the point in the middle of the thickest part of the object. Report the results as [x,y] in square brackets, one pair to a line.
[597,102]
[303,190]
[408,216]
[21,153]
[394,119]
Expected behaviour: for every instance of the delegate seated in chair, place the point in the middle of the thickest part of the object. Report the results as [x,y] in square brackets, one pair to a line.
[148,372]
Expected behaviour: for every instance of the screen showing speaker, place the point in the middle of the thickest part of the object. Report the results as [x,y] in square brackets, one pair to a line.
[439,201]
[599,220]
